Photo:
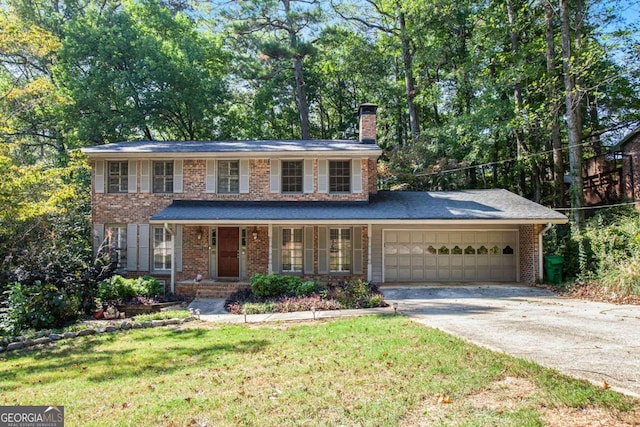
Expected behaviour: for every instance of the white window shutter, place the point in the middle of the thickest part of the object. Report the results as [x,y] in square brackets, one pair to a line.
[177,175]
[132,247]
[274,174]
[143,245]
[308,176]
[308,250]
[98,237]
[244,176]
[276,250]
[323,176]
[356,176]
[210,186]
[178,248]
[356,236]
[99,178]
[323,250]
[132,179]
[145,177]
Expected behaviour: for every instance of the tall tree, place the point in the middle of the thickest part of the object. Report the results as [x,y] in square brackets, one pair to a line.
[279,31]
[572,103]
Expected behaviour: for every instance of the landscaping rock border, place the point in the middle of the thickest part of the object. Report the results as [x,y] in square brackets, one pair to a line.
[25,343]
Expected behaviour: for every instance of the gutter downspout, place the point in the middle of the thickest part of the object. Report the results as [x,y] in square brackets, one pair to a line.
[540,249]
[173,257]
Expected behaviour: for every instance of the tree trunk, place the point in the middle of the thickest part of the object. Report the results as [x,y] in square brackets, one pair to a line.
[572,118]
[556,141]
[517,95]
[409,80]
[301,93]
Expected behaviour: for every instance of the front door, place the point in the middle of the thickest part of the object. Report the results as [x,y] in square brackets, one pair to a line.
[228,252]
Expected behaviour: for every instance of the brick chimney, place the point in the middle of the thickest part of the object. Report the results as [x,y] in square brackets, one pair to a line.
[367,114]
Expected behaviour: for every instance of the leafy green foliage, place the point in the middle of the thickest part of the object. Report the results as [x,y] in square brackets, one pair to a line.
[122,289]
[273,285]
[605,250]
[356,293]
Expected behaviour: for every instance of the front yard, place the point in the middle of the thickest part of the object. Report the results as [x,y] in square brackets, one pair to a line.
[365,371]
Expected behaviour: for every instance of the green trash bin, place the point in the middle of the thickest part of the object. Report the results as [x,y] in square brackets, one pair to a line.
[553,268]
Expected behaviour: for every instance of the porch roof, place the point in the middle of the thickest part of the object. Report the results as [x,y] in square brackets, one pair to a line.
[468,206]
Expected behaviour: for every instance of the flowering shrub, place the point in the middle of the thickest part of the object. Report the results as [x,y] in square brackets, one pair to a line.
[351,294]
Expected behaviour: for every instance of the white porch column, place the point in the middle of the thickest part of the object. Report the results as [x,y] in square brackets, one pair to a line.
[369,263]
[173,257]
[269,249]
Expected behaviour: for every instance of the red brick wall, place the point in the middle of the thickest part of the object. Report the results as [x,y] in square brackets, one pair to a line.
[529,253]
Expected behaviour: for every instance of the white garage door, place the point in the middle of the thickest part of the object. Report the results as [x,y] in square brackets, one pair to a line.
[441,256]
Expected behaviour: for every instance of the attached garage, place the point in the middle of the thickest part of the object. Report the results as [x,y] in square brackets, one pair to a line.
[450,255]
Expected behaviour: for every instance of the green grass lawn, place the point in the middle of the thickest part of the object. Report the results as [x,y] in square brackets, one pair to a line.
[382,370]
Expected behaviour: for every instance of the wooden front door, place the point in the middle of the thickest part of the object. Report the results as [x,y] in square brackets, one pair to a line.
[228,252]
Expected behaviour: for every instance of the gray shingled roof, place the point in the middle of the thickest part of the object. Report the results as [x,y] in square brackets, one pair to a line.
[464,206]
[202,147]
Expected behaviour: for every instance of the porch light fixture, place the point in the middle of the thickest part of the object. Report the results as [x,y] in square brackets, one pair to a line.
[199,235]
[254,233]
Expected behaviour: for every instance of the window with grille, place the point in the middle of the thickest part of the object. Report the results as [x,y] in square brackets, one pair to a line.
[162,248]
[339,176]
[163,177]
[117,178]
[292,250]
[116,236]
[340,250]
[292,176]
[229,176]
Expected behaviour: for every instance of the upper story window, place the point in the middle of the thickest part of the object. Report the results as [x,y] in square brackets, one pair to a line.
[292,176]
[117,240]
[117,178]
[228,176]
[339,176]
[163,177]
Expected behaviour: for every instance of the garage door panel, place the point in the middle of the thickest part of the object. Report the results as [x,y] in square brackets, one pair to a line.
[456,255]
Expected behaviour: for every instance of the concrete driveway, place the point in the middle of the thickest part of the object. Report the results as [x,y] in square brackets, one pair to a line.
[593,341]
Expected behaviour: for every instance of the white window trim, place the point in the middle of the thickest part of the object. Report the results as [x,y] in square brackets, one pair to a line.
[292,250]
[341,250]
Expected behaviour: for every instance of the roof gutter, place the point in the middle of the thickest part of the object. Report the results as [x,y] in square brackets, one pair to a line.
[541,248]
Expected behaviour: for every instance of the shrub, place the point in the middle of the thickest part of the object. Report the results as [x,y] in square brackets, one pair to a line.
[307,288]
[273,285]
[123,289]
[38,306]
[357,293]
[624,278]
[603,252]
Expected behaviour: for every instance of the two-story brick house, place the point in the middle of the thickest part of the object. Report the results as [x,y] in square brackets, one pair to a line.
[225,210]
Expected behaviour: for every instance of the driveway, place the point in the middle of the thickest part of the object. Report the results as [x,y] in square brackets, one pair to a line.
[588,340]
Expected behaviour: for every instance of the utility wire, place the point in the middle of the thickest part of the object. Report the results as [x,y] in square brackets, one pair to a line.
[499,162]
[596,207]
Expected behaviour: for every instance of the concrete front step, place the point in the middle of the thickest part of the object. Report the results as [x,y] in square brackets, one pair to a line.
[209,289]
